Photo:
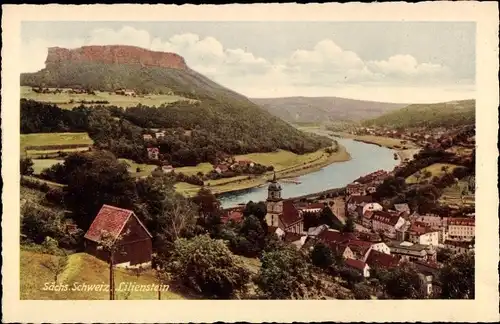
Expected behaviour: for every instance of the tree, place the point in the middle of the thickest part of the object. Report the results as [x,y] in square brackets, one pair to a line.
[403,282]
[57,261]
[251,237]
[362,291]
[167,214]
[322,256]
[206,202]
[93,179]
[285,274]
[349,226]
[207,266]
[457,277]
[108,243]
[27,166]
[258,210]
[444,254]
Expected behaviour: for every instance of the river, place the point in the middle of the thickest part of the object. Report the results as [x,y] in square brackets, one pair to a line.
[365,158]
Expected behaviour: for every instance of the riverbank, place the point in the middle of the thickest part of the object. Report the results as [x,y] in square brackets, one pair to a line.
[284,169]
[389,142]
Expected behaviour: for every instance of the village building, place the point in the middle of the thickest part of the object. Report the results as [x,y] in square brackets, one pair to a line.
[234,215]
[372,207]
[282,213]
[125,92]
[353,202]
[221,168]
[378,259]
[426,280]
[461,229]
[358,265]
[459,247]
[147,137]
[408,251]
[167,168]
[160,134]
[131,238]
[420,233]
[153,153]
[402,208]
[356,189]
[387,223]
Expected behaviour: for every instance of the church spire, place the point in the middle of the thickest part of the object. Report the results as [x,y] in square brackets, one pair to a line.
[274,176]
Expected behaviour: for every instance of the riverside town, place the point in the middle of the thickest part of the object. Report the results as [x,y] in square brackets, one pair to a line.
[206,166]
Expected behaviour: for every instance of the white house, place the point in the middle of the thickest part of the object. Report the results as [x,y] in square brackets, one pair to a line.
[374,206]
[461,229]
[359,266]
[387,223]
[167,168]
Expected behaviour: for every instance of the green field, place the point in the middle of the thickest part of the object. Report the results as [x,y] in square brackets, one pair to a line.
[41,139]
[281,159]
[40,164]
[452,195]
[81,268]
[63,99]
[435,170]
[444,114]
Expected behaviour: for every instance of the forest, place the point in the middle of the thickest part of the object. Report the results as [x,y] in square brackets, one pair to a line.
[215,128]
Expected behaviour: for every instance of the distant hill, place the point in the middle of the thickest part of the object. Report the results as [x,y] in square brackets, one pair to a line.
[324,109]
[445,114]
[222,120]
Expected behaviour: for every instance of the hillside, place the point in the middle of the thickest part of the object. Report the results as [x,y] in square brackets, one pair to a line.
[82,269]
[324,109]
[445,114]
[221,120]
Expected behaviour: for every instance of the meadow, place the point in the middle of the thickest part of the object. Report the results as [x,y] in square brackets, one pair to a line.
[33,144]
[435,170]
[69,100]
[81,268]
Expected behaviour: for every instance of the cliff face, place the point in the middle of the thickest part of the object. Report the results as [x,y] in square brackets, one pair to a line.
[115,54]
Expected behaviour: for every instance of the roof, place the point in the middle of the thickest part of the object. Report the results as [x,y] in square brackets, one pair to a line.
[335,237]
[359,246]
[357,264]
[292,237]
[153,149]
[235,216]
[360,199]
[461,221]
[385,217]
[290,214]
[312,206]
[407,246]
[376,258]
[112,220]
[401,207]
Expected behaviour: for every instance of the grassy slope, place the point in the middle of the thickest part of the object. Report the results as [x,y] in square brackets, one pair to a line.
[82,268]
[434,169]
[62,99]
[452,113]
[323,109]
[40,139]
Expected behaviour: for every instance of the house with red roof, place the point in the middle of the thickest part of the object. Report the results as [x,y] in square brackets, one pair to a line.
[356,189]
[153,153]
[353,202]
[421,233]
[461,229]
[378,259]
[129,235]
[358,265]
[235,216]
[387,223]
[290,220]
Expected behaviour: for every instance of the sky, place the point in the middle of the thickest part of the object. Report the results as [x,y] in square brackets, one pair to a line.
[404,62]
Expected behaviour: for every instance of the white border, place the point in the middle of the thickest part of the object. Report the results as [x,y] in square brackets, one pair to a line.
[483,308]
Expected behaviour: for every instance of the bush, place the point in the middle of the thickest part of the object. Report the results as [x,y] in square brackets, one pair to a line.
[55,196]
[208,267]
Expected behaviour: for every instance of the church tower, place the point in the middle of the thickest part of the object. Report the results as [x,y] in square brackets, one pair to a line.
[274,202]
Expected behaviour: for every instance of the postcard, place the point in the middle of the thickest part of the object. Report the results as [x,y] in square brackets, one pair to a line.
[256,163]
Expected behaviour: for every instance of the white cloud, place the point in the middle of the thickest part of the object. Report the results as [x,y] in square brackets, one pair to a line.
[324,69]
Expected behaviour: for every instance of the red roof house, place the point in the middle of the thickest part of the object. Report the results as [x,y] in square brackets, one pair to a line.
[127,231]
[382,260]
[358,265]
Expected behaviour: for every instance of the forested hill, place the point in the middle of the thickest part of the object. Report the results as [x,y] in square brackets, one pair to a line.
[445,114]
[220,120]
[324,109]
